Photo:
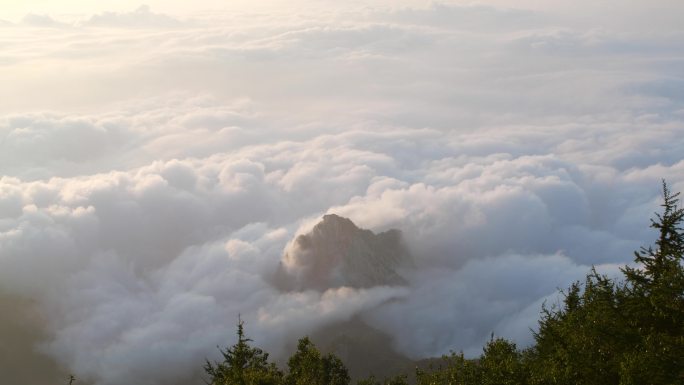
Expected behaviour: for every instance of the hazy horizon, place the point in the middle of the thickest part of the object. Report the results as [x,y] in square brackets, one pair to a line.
[158,160]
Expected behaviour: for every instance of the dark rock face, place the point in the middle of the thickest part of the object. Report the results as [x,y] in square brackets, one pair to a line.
[337,253]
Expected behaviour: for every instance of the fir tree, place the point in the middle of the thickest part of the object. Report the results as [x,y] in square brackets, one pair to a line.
[500,363]
[308,367]
[656,301]
[243,365]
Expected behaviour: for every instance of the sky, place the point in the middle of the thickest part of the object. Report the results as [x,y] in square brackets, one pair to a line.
[157,159]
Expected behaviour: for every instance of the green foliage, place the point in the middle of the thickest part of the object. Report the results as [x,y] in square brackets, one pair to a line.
[243,365]
[582,342]
[625,332]
[246,365]
[400,379]
[656,302]
[453,370]
[308,367]
[662,268]
[501,363]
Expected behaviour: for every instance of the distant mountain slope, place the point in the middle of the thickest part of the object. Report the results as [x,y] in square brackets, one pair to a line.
[363,349]
[23,328]
[337,253]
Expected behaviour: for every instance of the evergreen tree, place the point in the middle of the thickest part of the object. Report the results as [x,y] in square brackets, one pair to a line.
[454,369]
[662,267]
[308,367]
[627,333]
[243,365]
[583,341]
[501,364]
[656,302]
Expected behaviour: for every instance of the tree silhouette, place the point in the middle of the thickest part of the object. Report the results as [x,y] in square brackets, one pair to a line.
[308,367]
[243,365]
[656,301]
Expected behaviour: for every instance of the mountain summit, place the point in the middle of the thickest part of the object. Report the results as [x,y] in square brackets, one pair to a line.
[337,253]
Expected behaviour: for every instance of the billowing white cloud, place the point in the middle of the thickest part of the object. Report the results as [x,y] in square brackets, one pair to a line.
[42,21]
[142,17]
[155,170]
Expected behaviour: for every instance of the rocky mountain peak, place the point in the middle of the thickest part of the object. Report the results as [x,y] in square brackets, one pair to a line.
[337,253]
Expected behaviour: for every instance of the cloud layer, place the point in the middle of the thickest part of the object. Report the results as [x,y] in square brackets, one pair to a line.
[155,169]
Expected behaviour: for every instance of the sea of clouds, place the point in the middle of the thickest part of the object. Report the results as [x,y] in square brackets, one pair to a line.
[154,168]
